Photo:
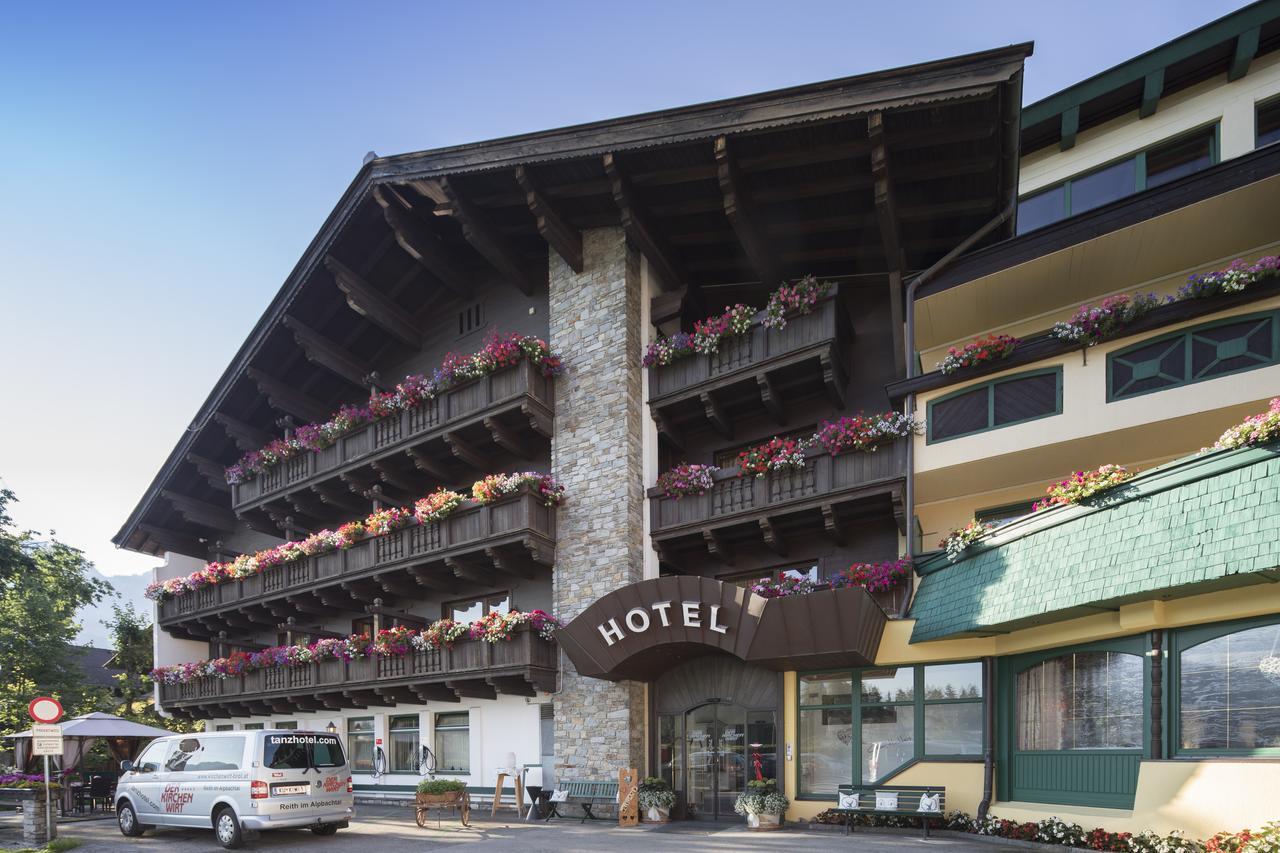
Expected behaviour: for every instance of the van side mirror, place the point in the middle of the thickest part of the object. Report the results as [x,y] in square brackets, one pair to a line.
[126,766]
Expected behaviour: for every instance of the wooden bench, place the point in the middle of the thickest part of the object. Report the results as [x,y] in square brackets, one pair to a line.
[907,800]
[587,794]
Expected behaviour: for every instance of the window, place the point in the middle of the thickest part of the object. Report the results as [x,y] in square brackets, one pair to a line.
[206,755]
[453,743]
[1194,355]
[1082,700]
[747,579]
[1229,690]
[360,743]
[995,404]
[152,757]
[1160,164]
[471,609]
[404,743]
[225,727]
[1002,515]
[299,752]
[898,715]
[363,625]
[254,727]
[287,725]
[1267,123]
[470,318]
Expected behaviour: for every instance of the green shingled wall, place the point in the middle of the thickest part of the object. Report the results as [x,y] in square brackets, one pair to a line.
[1196,521]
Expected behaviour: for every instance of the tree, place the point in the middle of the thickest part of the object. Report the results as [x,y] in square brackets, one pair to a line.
[43,583]
[131,641]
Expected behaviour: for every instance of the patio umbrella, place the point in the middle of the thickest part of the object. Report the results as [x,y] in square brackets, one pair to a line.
[124,739]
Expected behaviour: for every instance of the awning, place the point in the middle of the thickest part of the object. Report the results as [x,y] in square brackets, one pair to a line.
[639,631]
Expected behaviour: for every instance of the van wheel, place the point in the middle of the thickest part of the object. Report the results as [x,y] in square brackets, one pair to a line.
[128,820]
[227,827]
[325,829]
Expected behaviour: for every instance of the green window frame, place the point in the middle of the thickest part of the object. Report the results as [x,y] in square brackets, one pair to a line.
[1265,325]
[360,744]
[1140,173]
[858,706]
[452,733]
[1266,123]
[990,387]
[1043,775]
[1183,640]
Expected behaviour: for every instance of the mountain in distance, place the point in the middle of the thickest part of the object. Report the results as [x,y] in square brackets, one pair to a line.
[93,619]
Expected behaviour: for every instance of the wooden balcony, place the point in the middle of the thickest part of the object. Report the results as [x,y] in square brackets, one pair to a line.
[477,547]
[472,668]
[462,433]
[763,368]
[830,494]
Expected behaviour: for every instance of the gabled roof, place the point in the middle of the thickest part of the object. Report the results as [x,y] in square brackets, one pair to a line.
[1199,524]
[1227,45]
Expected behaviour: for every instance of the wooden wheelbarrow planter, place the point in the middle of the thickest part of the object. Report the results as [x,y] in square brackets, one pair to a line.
[454,801]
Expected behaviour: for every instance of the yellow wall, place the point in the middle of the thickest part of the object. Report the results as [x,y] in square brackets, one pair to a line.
[1010,464]
[1198,797]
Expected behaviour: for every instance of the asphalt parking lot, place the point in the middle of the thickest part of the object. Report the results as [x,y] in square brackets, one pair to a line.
[383,829]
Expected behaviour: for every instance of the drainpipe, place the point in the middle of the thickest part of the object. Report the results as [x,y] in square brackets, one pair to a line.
[989,750]
[909,343]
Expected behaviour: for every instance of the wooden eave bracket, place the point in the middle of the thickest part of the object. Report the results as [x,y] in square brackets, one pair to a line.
[420,242]
[554,228]
[742,214]
[329,354]
[639,229]
[370,303]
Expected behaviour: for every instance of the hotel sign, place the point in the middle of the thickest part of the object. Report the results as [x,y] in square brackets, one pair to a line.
[641,630]
[689,614]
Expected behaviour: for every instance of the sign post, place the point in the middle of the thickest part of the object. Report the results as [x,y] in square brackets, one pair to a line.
[46,740]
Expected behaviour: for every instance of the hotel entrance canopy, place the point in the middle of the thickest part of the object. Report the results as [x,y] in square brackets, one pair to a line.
[639,631]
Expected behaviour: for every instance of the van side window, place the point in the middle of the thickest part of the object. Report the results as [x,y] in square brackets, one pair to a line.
[152,757]
[182,753]
[218,753]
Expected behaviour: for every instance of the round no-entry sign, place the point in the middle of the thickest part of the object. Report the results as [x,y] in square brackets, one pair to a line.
[44,709]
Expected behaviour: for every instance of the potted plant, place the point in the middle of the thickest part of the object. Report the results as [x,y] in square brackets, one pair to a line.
[656,800]
[440,792]
[762,805]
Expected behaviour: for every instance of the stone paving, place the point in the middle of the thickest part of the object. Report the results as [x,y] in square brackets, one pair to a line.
[384,829]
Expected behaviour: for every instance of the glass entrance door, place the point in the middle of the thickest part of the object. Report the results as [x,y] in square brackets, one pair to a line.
[724,746]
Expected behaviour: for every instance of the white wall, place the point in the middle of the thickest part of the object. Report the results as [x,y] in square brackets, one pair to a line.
[498,726]
[1212,100]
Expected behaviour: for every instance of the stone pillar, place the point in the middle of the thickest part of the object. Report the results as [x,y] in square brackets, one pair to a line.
[596,452]
[35,826]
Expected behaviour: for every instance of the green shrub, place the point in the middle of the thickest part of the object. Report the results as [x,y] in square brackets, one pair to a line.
[441,786]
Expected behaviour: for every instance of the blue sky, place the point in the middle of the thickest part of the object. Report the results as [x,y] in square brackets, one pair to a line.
[162,166]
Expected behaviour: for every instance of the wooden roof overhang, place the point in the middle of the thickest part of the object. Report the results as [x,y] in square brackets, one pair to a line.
[870,175]
[1228,45]
[684,617]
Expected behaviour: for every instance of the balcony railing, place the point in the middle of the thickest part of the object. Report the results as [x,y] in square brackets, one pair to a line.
[521,520]
[818,490]
[702,385]
[471,668]
[476,405]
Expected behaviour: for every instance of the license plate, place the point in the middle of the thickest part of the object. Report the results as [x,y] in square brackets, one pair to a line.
[291,789]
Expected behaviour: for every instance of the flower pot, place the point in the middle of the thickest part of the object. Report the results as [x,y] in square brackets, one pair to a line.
[448,798]
[764,822]
[657,815]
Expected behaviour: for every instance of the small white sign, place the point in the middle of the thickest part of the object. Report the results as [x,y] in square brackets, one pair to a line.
[46,739]
[886,801]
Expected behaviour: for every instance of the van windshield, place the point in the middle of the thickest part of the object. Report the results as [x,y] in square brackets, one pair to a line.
[301,751]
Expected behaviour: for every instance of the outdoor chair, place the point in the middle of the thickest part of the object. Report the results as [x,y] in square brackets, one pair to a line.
[100,791]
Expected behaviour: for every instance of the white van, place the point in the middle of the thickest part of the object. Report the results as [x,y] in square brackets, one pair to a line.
[237,783]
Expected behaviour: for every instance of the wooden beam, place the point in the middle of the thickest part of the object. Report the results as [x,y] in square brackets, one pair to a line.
[770,399]
[330,355]
[421,243]
[773,537]
[639,230]
[245,436]
[716,415]
[431,467]
[1070,126]
[465,452]
[392,477]
[472,689]
[199,512]
[890,234]
[287,399]
[511,685]
[213,473]
[434,692]
[513,563]
[335,497]
[1246,50]
[554,228]
[742,215]
[832,524]
[471,572]
[491,243]
[717,547]
[507,439]
[1152,89]
[373,305]
[436,580]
